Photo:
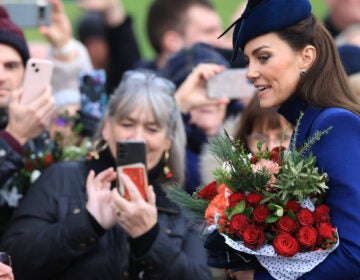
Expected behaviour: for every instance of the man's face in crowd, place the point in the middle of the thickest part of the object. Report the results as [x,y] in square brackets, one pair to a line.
[11,73]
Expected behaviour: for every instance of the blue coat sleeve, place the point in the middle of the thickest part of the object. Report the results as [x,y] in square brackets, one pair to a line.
[338,154]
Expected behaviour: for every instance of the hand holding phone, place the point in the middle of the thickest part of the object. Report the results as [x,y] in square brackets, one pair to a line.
[131,160]
[38,73]
[231,83]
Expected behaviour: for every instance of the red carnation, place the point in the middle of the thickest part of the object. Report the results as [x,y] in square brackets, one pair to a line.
[28,166]
[235,198]
[287,224]
[292,205]
[307,236]
[208,192]
[254,198]
[261,212]
[305,217]
[253,237]
[275,154]
[285,245]
[321,214]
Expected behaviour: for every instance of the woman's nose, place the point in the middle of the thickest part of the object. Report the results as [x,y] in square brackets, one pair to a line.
[252,73]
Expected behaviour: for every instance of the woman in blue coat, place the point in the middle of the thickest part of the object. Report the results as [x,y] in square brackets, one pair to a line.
[294,65]
[73,223]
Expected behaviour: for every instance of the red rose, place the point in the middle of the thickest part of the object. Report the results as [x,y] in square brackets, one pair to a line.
[254,198]
[28,166]
[208,192]
[253,237]
[305,217]
[275,154]
[235,198]
[321,214]
[307,236]
[238,223]
[260,213]
[285,245]
[292,205]
[326,231]
[48,159]
[254,159]
[287,224]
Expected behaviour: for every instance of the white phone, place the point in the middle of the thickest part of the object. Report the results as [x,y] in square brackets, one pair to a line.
[38,73]
[230,83]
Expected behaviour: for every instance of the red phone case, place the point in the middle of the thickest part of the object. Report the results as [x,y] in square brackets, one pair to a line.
[137,174]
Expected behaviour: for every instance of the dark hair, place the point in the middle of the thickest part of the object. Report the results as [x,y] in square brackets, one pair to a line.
[253,115]
[325,83]
[166,15]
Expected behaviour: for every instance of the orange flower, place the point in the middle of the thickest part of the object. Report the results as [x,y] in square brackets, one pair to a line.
[217,206]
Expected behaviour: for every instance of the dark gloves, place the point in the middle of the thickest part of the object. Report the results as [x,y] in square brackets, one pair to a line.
[220,255]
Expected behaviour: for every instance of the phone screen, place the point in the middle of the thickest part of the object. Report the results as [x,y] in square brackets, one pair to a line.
[231,83]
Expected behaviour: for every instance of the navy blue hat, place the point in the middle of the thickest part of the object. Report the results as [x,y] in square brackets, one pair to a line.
[264,16]
[350,58]
[180,65]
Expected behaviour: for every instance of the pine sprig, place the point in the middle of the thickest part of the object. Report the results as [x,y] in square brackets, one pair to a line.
[195,207]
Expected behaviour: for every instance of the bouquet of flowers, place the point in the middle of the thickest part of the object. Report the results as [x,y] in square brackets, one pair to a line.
[268,204]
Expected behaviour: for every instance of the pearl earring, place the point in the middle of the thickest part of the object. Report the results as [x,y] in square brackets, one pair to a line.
[303,72]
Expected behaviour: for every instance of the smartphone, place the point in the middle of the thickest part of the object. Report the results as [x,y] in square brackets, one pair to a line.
[30,14]
[93,95]
[131,160]
[231,83]
[38,73]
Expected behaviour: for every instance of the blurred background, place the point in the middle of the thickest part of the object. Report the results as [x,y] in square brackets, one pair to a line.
[137,9]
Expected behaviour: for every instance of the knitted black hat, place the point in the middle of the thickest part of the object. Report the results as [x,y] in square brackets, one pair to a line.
[12,35]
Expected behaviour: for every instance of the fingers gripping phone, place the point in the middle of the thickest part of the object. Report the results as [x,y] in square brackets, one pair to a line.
[38,73]
[131,160]
[231,83]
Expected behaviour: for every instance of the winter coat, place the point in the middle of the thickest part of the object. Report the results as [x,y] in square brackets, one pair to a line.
[52,237]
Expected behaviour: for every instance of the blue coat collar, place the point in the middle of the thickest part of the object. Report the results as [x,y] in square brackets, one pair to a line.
[291,110]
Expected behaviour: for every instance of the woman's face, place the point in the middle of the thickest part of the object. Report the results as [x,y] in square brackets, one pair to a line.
[271,137]
[209,118]
[139,125]
[274,69]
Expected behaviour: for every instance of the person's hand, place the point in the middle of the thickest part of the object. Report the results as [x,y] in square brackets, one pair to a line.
[6,272]
[59,32]
[27,121]
[136,216]
[99,197]
[112,10]
[243,275]
[192,92]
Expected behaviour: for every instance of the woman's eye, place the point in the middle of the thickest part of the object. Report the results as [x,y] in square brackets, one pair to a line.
[264,57]
[125,124]
[153,129]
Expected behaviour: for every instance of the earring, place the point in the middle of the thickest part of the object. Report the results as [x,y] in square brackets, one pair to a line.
[96,149]
[303,72]
[167,172]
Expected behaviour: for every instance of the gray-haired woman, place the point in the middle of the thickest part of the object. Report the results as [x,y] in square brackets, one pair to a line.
[74,225]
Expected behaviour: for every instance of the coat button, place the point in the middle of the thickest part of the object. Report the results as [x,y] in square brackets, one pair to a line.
[76,211]
[2,153]
[126,274]
[92,240]
[82,246]
[168,231]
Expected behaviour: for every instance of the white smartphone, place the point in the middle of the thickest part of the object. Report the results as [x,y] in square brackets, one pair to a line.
[230,83]
[28,14]
[38,73]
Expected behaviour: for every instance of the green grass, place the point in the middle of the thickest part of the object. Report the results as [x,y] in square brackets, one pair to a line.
[137,8]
